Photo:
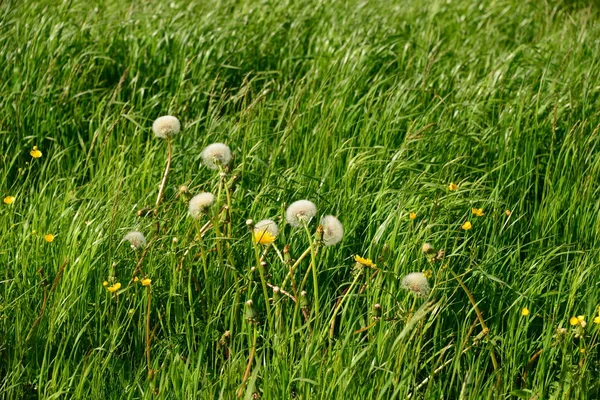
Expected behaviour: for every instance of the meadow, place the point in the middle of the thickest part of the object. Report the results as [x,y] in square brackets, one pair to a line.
[447,150]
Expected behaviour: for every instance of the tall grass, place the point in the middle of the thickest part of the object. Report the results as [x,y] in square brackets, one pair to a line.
[370,110]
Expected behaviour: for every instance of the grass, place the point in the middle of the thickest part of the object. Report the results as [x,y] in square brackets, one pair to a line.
[370,110]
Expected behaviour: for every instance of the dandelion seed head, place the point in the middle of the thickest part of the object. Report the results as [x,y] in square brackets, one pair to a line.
[333,230]
[166,126]
[265,232]
[299,212]
[417,283]
[427,248]
[215,155]
[136,239]
[200,203]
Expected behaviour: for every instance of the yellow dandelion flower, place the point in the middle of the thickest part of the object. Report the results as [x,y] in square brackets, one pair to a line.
[49,237]
[574,321]
[135,279]
[597,320]
[477,211]
[452,186]
[507,212]
[412,215]
[35,153]
[524,311]
[466,226]
[146,281]
[114,287]
[581,318]
[105,283]
[263,237]
[428,273]
[9,199]
[367,262]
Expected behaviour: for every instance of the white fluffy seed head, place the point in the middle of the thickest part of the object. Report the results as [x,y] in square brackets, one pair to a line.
[417,283]
[166,126]
[199,204]
[267,225]
[333,231]
[215,155]
[136,240]
[299,212]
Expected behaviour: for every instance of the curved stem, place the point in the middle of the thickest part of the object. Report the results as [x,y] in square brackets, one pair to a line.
[163,183]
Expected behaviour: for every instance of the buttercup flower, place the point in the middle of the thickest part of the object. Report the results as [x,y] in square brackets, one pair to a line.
[105,283]
[597,320]
[265,232]
[333,230]
[574,321]
[215,155]
[477,211]
[452,186]
[367,262]
[466,226]
[114,287]
[49,237]
[524,311]
[136,240]
[299,212]
[412,215]
[200,203]
[166,127]
[35,153]
[9,199]
[417,283]
[146,282]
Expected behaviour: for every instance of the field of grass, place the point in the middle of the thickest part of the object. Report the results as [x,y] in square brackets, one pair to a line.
[400,118]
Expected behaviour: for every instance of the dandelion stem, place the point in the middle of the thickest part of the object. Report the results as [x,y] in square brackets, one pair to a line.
[163,183]
[486,330]
[263,282]
[339,305]
[298,261]
[313,260]
[249,365]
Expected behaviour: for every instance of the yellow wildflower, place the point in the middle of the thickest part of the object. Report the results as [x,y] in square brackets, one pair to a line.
[477,211]
[135,279]
[412,215]
[49,237]
[525,311]
[574,321]
[428,274]
[35,153]
[582,350]
[367,262]
[452,186]
[466,226]
[597,320]
[146,281]
[9,199]
[263,237]
[114,287]
[105,283]
[580,318]
[507,212]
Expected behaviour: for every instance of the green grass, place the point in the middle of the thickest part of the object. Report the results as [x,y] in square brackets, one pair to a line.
[369,109]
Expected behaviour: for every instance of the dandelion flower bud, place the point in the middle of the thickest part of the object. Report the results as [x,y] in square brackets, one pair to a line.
[417,283]
[215,155]
[333,231]
[136,240]
[299,212]
[200,203]
[265,232]
[166,127]
[427,249]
